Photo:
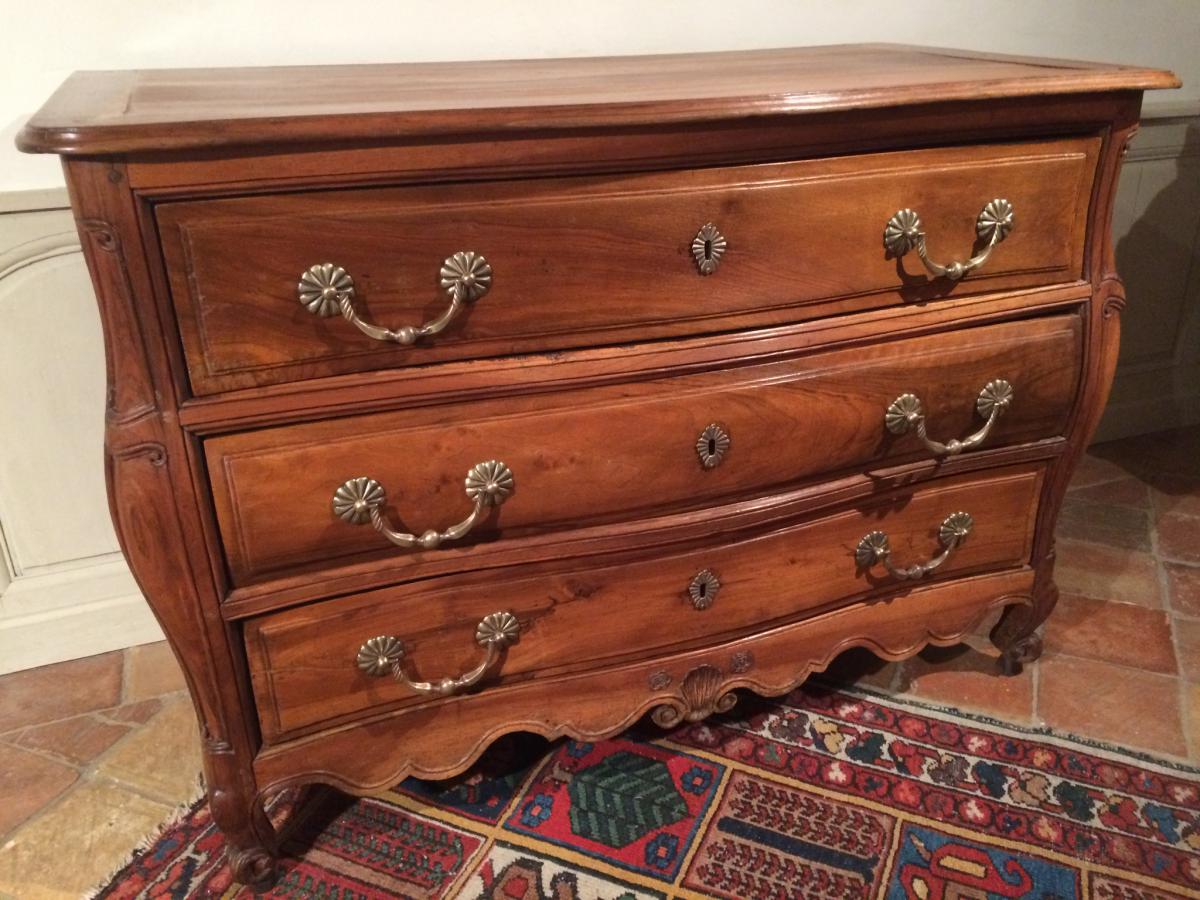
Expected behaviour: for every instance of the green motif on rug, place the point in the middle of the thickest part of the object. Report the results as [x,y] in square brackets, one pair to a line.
[622,798]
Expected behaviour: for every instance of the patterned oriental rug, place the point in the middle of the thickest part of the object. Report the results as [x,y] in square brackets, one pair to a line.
[824,794]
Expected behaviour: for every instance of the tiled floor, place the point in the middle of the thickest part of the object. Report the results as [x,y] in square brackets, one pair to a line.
[96,753]
[1122,649]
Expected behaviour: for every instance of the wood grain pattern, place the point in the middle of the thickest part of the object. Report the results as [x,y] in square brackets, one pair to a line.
[157,512]
[538,373]
[586,261]
[628,539]
[442,739]
[585,457]
[237,171]
[119,112]
[800,349]
[302,660]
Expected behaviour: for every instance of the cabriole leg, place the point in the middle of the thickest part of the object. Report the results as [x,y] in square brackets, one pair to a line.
[251,845]
[1015,635]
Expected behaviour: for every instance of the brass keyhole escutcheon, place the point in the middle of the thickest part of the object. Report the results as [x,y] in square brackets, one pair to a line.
[708,246]
[703,588]
[712,445]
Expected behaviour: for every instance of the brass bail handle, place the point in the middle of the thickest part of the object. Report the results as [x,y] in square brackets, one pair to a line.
[876,548]
[360,500]
[326,289]
[906,413]
[385,654]
[904,232]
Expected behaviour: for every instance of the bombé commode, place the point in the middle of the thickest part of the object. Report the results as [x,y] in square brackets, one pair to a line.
[453,400]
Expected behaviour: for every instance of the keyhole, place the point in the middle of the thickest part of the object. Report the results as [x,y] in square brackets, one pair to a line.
[712,446]
[708,250]
[703,591]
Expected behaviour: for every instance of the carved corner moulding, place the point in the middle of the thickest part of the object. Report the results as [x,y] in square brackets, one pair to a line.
[131,393]
[1112,289]
[154,452]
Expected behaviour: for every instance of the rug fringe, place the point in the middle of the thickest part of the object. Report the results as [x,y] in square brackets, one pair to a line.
[198,796]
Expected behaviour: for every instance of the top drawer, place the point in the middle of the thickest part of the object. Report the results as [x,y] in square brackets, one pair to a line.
[584,261]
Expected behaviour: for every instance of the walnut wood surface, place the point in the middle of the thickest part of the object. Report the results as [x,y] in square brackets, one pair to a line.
[442,739]
[539,373]
[157,511]
[631,540]
[587,261]
[238,171]
[116,112]
[582,457]
[146,146]
[301,661]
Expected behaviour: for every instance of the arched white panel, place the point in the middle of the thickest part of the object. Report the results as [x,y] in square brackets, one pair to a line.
[65,591]
[52,388]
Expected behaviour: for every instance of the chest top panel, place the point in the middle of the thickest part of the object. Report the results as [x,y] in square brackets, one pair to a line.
[97,113]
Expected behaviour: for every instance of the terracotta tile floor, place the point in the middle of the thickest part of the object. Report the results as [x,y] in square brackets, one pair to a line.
[1122,650]
[96,753]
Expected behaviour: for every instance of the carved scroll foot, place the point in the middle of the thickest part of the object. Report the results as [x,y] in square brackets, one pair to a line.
[250,838]
[1016,638]
[253,867]
[1012,661]
[1015,635]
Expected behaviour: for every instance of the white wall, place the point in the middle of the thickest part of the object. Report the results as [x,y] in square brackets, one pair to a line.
[64,589]
[46,39]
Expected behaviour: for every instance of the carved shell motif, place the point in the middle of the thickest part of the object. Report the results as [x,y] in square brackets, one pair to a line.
[702,697]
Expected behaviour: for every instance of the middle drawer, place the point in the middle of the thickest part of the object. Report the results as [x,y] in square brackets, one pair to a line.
[299,497]
[332,659]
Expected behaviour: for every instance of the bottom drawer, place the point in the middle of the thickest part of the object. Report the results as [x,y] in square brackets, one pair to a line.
[305,662]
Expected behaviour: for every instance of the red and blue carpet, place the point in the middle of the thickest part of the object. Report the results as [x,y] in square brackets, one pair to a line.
[821,795]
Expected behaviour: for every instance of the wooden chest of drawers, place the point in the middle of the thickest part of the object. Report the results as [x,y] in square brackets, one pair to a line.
[452,400]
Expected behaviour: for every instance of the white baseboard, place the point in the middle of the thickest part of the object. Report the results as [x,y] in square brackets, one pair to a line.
[67,614]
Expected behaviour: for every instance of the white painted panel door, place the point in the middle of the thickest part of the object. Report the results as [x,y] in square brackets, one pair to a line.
[65,590]
[52,388]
